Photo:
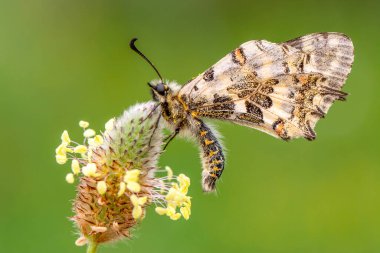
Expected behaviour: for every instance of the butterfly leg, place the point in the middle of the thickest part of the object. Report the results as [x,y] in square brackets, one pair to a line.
[211,155]
[172,136]
[155,128]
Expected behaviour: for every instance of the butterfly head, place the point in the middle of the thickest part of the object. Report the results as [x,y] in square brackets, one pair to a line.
[159,89]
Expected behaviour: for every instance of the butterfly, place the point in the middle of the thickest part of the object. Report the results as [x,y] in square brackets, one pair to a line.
[282,89]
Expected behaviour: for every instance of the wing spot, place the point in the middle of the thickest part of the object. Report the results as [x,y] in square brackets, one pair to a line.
[286,67]
[262,100]
[272,82]
[285,49]
[307,59]
[300,66]
[253,109]
[249,118]
[267,89]
[239,57]
[260,45]
[279,128]
[221,99]
[209,75]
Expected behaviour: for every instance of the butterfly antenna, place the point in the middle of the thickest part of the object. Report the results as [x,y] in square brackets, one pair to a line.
[134,48]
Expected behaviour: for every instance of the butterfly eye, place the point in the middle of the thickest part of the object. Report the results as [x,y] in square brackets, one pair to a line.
[160,88]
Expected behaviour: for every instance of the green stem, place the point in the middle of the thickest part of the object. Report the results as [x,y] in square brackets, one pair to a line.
[92,247]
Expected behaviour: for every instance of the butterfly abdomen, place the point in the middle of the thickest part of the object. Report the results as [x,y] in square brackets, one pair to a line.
[211,155]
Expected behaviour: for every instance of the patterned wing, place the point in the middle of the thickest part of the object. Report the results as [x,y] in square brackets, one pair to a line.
[281,89]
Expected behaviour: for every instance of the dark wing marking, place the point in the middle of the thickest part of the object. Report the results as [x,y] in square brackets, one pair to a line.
[281,89]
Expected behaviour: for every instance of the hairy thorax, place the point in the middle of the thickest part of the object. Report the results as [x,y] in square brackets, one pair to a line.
[174,111]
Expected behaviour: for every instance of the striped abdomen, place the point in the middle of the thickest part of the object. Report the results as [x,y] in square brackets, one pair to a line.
[211,155]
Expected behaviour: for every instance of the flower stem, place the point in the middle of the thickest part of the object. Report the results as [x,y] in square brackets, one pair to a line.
[92,247]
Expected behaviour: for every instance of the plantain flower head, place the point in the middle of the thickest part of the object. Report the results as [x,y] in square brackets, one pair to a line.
[118,176]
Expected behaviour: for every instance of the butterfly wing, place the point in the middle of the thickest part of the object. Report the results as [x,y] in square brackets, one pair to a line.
[281,89]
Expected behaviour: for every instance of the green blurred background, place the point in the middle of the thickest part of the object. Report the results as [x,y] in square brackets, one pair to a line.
[65,60]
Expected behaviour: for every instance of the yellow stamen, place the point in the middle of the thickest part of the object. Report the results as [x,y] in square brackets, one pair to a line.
[137,212]
[142,200]
[98,139]
[109,125]
[80,149]
[61,159]
[161,210]
[83,124]
[89,133]
[132,175]
[175,216]
[70,178]
[170,172]
[134,187]
[65,137]
[134,199]
[101,187]
[89,170]
[121,189]
[75,167]
[61,149]
[185,211]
